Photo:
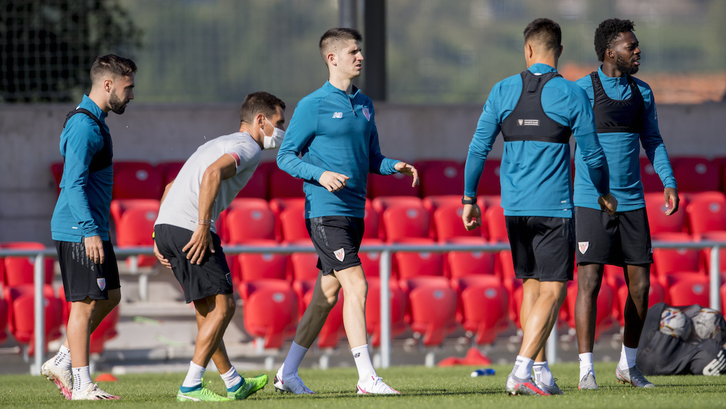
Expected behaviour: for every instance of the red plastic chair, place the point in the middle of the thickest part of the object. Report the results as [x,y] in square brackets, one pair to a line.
[305,274]
[403,222]
[656,294]
[271,315]
[723,297]
[605,305]
[246,288]
[292,224]
[282,185]
[489,183]
[471,263]
[370,260]
[169,171]
[333,329]
[688,290]
[258,184]
[707,213]
[416,264]
[21,320]
[650,180]
[485,310]
[372,221]
[56,168]
[380,204]
[433,313]
[3,320]
[249,219]
[449,225]
[373,310]
[696,174]
[658,221]
[105,331]
[496,225]
[137,180]
[672,260]
[19,271]
[255,266]
[296,205]
[440,177]
[134,220]
[396,184]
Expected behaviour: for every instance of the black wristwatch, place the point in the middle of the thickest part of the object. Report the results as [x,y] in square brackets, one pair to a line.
[466,201]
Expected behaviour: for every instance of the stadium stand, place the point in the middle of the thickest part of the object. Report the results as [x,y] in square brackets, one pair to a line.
[696,174]
[137,180]
[391,185]
[282,185]
[440,177]
[134,223]
[688,290]
[271,316]
[490,184]
[485,311]
[657,219]
[706,213]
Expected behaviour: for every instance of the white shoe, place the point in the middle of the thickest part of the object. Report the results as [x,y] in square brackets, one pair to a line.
[376,386]
[291,384]
[63,379]
[93,392]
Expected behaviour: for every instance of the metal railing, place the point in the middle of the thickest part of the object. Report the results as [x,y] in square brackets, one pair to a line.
[386,251]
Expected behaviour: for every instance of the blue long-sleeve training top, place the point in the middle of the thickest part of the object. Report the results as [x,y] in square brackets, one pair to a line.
[535,176]
[622,150]
[333,131]
[84,202]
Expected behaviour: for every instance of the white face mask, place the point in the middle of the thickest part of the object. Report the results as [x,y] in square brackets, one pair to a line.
[274,141]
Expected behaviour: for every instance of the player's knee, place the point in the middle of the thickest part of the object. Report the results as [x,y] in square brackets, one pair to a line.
[639,290]
[114,298]
[588,285]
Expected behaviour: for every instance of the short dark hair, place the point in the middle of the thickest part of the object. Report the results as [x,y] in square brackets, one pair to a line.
[607,32]
[546,32]
[259,103]
[112,64]
[334,35]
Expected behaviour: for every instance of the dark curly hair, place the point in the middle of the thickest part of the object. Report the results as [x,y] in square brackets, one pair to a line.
[607,32]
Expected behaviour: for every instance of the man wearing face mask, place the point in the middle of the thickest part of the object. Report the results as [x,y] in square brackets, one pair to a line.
[185,240]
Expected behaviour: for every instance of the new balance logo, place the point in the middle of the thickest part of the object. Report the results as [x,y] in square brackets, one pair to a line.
[337,115]
[357,355]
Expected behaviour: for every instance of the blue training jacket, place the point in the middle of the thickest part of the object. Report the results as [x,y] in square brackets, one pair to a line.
[84,202]
[333,131]
[622,150]
[535,176]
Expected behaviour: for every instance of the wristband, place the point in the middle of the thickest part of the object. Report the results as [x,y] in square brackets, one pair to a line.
[468,201]
[206,221]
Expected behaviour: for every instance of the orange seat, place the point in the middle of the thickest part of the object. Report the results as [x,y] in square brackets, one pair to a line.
[134,220]
[696,174]
[440,177]
[271,315]
[137,180]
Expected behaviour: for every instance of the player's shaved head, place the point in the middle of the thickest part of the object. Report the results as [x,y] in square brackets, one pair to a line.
[544,34]
[334,38]
[111,65]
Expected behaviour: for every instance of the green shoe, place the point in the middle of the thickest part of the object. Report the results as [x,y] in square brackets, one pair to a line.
[250,386]
[200,395]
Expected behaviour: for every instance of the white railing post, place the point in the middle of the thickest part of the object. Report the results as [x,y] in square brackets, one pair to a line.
[715,296]
[551,350]
[39,280]
[385,309]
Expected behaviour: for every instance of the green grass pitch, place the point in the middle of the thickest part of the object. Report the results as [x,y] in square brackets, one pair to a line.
[421,388]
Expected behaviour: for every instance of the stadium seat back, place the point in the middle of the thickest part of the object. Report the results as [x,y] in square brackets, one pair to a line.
[485,311]
[489,183]
[137,180]
[21,270]
[373,310]
[671,260]
[468,263]
[396,184]
[271,314]
[416,264]
[707,214]
[304,266]
[496,225]
[255,266]
[433,313]
[693,289]
[292,224]
[258,184]
[282,185]
[404,222]
[650,180]
[696,174]
[448,223]
[440,177]
[657,219]
[169,171]
[249,219]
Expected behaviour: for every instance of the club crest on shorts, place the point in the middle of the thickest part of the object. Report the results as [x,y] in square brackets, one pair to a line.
[583,246]
[101,283]
[340,254]
[367,113]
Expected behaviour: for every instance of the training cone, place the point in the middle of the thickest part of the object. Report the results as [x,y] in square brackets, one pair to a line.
[106,377]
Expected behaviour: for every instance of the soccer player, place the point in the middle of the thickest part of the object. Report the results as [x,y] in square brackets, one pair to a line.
[334,132]
[625,117]
[537,111]
[185,238]
[80,224]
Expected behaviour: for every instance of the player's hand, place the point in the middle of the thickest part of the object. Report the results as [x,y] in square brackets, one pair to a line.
[333,181]
[608,204]
[164,262]
[94,249]
[197,247]
[671,200]
[471,216]
[406,169]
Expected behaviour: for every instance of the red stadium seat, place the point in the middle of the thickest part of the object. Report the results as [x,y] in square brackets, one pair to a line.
[440,177]
[56,168]
[255,266]
[271,315]
[169,171]
[21,318]
[258,184]
[278,205]
[496,226]
[292,225]
[656,294]
[370,260]
[723,297]
[282,185]
[396,184]
[657,219]
[706,212]
[371,220]
[485,310]
[105,331]
[605,305]
[404,222]
[3,320]
[137,180]
[696,174]
[650,180]
[134,220]
[714,236]
[248,287]
[675,260]
[249,219]
[431,203]
[380,204]
[373,310]
[489,183]
[449,225]
[333,329]
[433,313]
[470,263]
[305,274]
[416,264]
[688,290]
[19,271]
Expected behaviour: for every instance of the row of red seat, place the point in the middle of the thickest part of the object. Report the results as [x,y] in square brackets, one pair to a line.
[142,180]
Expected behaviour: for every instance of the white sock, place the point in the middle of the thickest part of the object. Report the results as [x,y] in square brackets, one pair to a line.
[523,367]
[362,359]
[627,357]
[543,374]
[586,364]
[231,378]
[293,359]
[194,376]
[63,358]
[81,378]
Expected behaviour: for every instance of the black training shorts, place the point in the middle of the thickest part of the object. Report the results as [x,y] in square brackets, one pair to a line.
[198,281]
[622,239]
[542,247]
[337,241]
[82,277]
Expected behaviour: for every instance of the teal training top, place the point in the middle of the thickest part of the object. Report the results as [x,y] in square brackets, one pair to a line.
[333,131]
[535,176]
[622,150]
